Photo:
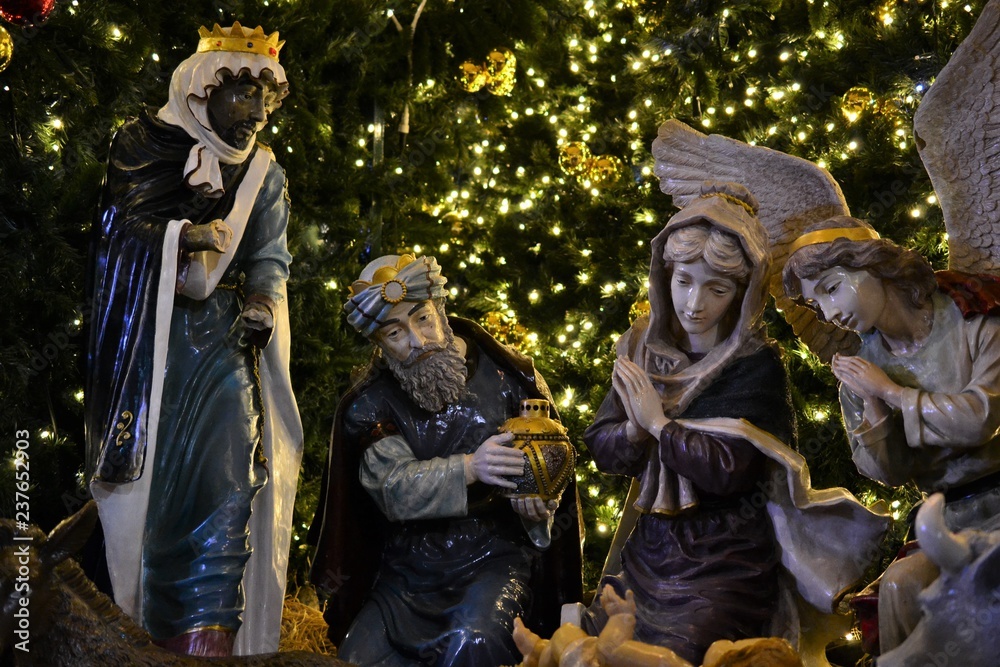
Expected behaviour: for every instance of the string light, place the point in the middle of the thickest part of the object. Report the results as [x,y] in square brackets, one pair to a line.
[527,195]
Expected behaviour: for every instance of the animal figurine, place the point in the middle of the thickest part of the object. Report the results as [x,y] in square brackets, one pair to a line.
[962,606]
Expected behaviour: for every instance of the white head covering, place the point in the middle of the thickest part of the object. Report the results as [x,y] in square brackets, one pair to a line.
[190,86]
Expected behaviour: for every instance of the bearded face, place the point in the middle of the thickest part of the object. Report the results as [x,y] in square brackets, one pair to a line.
[420,351]
[435,380]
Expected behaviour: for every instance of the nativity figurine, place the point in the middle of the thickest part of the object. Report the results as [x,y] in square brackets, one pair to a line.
[920,399]
[570,646]
[914,350]
[700,416]
[193,435]
[424,557]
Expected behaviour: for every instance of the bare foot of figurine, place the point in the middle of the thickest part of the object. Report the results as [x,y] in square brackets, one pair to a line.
[528,643]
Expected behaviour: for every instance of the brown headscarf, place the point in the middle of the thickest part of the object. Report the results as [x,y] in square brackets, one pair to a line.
[732,208]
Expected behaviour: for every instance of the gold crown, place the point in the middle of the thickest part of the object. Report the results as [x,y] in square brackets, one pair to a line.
[382,276]
[239,39]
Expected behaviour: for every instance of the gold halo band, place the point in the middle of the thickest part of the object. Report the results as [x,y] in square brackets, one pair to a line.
[828,235]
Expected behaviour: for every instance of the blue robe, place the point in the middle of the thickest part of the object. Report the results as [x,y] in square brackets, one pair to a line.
[208,466]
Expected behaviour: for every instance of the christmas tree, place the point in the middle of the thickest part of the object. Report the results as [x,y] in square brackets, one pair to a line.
[508,139]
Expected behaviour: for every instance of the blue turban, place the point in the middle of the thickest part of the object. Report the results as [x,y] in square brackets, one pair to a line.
[387,281]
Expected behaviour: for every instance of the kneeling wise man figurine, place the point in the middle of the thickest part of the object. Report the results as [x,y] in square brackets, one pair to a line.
[412,492]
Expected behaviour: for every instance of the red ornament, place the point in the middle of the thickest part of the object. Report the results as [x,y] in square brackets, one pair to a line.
[26,12]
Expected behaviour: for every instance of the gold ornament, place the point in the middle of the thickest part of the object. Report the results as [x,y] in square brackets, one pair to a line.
[501,65]
[6,48]
[550,456]
[639,309]
[576,160]
[472,76]
[498,74]
[855,102]
[604,170]
[505,329]
[892,110]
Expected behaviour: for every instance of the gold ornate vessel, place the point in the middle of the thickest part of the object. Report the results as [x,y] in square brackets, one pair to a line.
[551,457]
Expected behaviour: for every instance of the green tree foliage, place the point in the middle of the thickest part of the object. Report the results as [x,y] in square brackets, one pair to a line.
[550,260]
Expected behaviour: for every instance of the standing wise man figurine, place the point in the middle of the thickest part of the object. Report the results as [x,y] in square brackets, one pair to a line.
[190,415]
[416,464]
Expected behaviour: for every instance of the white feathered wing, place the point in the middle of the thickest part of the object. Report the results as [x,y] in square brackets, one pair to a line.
[792,193]
[957,131]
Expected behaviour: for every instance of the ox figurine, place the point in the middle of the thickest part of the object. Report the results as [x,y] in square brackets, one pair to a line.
[961,609]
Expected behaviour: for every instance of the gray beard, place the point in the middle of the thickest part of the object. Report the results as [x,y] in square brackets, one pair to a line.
[435,381]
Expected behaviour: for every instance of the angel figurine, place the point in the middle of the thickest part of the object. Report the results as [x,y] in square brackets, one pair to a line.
[699,415]
[917,354]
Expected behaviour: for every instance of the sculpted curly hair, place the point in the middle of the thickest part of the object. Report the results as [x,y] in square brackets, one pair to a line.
[906,270]
[721,251]
[764,652]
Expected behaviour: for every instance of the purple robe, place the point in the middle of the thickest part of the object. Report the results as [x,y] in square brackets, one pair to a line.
[710,572]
